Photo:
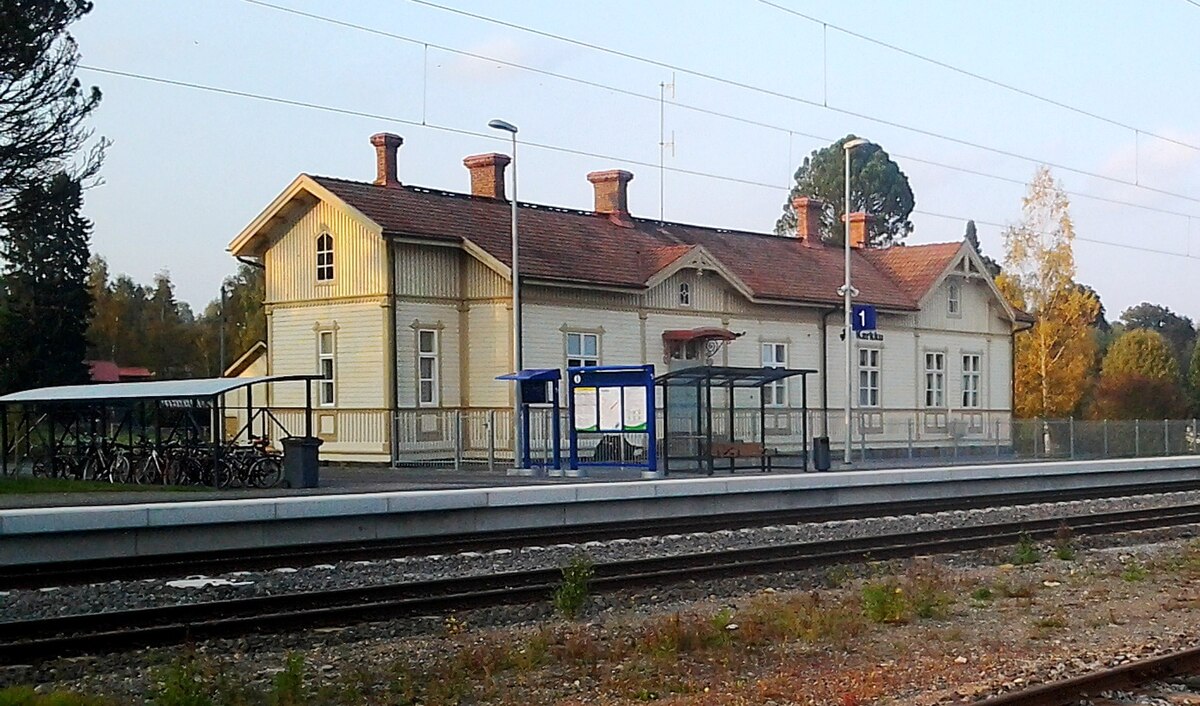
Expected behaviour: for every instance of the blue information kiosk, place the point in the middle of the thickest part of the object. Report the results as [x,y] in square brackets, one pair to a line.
[538,386]
[612,401]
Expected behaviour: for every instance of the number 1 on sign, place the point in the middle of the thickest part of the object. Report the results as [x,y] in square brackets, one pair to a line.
[862,318]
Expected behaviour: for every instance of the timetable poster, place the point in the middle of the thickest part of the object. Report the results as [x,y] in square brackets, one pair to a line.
[586,414]
[610,408]
[635,408]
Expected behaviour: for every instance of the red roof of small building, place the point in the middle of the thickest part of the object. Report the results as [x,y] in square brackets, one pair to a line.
[590,248]
[109,371]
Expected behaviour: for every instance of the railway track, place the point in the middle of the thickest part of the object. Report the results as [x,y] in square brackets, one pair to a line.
[38,640]
[1133,676]
[172,565]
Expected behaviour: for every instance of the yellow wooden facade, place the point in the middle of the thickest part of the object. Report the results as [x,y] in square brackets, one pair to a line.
[458,299]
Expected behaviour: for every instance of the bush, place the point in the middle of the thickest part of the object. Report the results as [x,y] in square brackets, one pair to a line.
[573,592]
[1134,571]
[884,603]
[1064,546]
[1026,551]
[289,684]
[184,682]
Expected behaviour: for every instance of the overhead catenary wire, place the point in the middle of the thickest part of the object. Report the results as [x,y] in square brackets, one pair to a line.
[789,97]
[308,105]
[980,77]
[692,108]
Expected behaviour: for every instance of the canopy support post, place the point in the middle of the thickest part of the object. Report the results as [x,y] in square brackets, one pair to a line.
[708,429]
[666,407]
[804,417]
[4,440]
[308,409]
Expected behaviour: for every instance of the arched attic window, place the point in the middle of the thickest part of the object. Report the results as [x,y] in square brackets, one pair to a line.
[685,294]
[324,257]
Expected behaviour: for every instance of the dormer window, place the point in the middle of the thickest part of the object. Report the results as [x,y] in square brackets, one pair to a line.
[685,294]
[324,257]
[954,299]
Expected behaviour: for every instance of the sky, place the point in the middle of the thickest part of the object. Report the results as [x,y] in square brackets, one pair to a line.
[752,89]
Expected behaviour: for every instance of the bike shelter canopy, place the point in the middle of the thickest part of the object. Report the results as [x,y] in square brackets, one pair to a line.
[96,401]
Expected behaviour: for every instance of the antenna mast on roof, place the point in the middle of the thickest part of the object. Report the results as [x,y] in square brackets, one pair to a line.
[663,88]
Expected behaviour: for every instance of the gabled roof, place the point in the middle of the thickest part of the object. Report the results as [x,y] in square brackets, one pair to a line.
[915,268]
[250,357]
[590,248]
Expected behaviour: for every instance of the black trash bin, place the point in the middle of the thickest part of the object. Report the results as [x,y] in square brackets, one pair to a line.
[821,456]
[301,461]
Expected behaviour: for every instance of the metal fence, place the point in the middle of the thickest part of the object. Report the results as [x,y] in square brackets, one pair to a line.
[482,438]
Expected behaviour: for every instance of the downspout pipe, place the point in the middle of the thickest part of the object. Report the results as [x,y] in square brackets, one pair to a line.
[825,371]
[393,376]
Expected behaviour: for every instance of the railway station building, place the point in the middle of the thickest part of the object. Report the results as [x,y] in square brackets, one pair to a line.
[398,296]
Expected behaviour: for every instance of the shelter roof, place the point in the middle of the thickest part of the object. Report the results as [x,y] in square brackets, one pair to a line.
[534,374]
[724,376]
[198,388]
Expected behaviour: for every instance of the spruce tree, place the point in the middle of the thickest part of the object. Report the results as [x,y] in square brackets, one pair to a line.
[972,236]
[44,247]
[43,106]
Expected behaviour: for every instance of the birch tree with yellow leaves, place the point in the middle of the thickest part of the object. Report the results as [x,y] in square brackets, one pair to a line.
[1054,358]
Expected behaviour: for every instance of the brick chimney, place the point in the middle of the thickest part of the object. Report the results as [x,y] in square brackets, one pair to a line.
[487,174]
[808,218]
[859,237]
[386,146]
[612,194]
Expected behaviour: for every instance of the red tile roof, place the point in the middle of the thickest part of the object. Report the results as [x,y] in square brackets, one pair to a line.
[914,267]
[586,247]
[109,371]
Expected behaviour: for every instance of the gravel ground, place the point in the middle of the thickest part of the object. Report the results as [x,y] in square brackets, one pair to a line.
[118,595]
[1120,599]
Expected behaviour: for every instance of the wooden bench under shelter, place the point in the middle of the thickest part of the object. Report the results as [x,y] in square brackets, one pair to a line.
[734,450]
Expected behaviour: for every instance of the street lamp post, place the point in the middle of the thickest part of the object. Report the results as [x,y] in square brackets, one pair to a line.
[518,363]
[847,291]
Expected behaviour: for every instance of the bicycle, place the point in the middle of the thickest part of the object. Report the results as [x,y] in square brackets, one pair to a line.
[105,461]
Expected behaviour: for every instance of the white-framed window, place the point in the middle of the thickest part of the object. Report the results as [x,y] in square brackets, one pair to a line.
[583,349]
[868,377]
[954,299]
[685,294]
[935,379]
[428,392]
[774,355]
[971,373]
[324,257]
[326,368]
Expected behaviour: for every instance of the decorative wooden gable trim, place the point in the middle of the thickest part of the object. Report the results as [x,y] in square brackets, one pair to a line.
[699,258]
[967,265]
[299,196]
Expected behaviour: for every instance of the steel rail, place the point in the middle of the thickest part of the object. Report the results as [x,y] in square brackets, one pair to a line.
[122,630]
[182,564]
[1069,692]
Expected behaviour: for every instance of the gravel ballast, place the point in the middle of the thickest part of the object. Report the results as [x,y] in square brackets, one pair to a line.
[122,595]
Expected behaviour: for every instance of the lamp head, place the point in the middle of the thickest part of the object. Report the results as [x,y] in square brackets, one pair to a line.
[501,125]
[856,142]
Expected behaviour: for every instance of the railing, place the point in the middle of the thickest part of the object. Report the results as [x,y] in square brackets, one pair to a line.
[482,438]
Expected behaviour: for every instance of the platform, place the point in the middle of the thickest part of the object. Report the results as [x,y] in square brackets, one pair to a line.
[31,535]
